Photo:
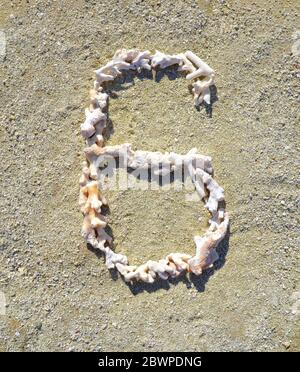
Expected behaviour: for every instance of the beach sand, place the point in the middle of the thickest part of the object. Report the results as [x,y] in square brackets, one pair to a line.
[59,295]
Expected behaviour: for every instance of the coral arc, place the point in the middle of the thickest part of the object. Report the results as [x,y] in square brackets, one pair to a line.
[199,168]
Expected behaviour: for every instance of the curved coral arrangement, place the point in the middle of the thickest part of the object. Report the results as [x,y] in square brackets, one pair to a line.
[199,167]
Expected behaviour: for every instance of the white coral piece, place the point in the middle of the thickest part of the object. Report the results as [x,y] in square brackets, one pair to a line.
[111,70]
[206,254]
[202,68]
[201,90]
[92,118]
[165,60]
[141,61]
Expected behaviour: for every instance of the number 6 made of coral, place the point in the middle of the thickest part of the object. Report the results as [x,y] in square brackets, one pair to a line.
[199,167]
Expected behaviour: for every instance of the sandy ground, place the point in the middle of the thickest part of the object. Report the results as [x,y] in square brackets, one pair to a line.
[59,295]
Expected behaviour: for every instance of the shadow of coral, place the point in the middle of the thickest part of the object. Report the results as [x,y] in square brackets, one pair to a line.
[190,280]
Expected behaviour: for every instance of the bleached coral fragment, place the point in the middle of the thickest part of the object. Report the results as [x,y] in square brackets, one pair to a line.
[202,68]
[92,118]
[165,60]
[206,254]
